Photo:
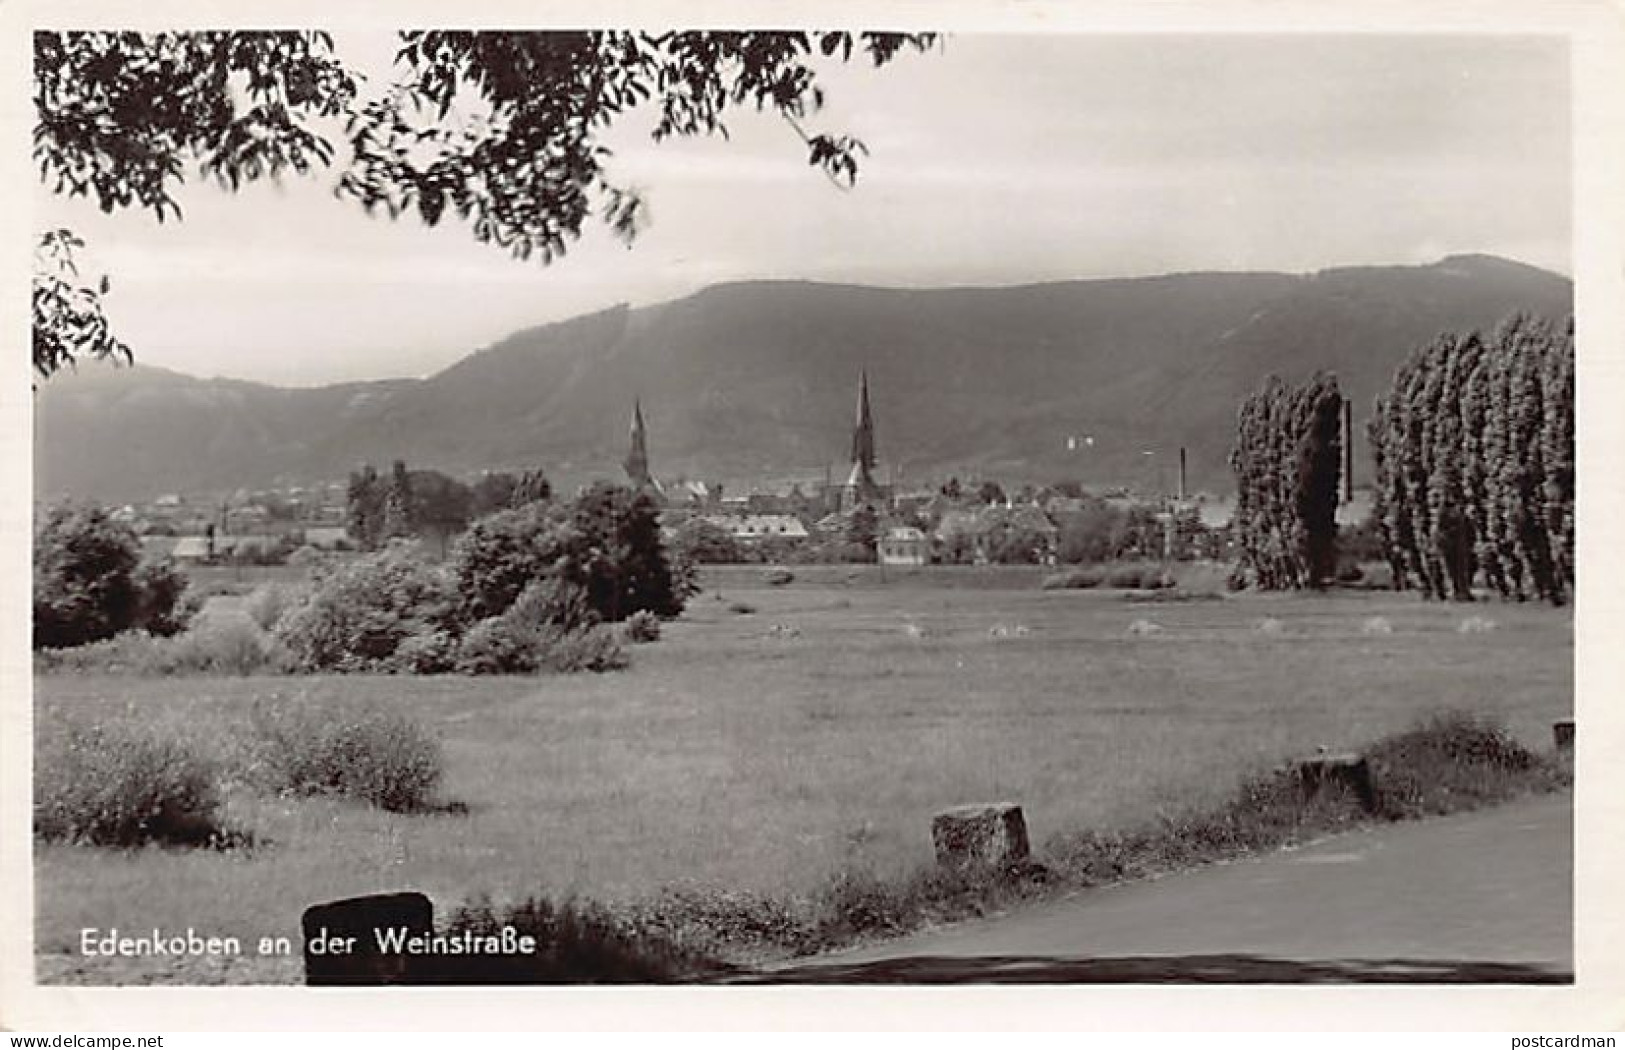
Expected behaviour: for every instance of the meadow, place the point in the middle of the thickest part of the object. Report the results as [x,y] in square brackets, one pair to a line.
[779,735]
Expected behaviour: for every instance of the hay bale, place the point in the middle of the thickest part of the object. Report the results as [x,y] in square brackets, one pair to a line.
[1476,625]
[915,631]
[1270,625]
[1144,628]
[986,836]
[1376,625]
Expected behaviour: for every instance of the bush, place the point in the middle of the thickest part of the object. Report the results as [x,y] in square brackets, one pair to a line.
[358,615]
[90,584]
[116,784]
[497,645]
[589,649]
[267,603]
[221,645]
[1074,579]
[314,747]
[577,942]
[1452,761]
[164,607]
[642,626]
[429,651]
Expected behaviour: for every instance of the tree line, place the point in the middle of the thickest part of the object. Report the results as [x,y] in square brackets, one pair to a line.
[1473,451]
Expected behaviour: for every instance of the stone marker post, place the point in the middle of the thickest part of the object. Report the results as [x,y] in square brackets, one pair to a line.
[981,836]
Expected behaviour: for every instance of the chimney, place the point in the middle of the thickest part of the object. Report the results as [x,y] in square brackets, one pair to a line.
[1182,489]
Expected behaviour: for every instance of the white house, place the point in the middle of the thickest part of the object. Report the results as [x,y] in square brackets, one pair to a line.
[904,545]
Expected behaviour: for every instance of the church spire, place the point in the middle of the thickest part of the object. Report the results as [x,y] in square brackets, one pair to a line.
[637,460]
[860,484]
[863,435]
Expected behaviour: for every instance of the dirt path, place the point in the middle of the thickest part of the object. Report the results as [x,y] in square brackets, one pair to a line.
[1483,896]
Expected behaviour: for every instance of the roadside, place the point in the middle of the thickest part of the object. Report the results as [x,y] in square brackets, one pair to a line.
[1484,896]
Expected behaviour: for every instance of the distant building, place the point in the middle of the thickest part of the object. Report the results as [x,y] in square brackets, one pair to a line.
[904,545]
[749,527]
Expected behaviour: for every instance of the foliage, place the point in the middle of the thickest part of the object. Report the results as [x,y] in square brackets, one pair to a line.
[163,608]
[1474,453]
[266,603]
[642,626]
[500,129]
[863,532]
[703,542]
[500,555]
[1287,462]
[321,745]
[360,612]
[90,584]
[1455,760]
[67,317]
[118,784]
[498,645]
[610,538]
[577,942]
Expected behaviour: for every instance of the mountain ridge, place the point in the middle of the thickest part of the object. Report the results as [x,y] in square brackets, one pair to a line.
[751,380]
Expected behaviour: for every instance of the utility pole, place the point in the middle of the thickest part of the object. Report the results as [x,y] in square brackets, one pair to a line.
[1182,489]
[1348,451]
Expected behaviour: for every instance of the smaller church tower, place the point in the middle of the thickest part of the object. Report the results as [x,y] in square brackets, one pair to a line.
[637,460]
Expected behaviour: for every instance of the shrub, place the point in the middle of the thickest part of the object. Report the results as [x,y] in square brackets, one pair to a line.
[267,603]
[741,608]
[90,584]
[358,615]
[1074,579]
[309,746]
[1452,761]
[116,784]
[497,645]
[577,942]
[642,626]
[429,651]
[589,649]
[780,577]
[500,555]
[163,607]
[219,645]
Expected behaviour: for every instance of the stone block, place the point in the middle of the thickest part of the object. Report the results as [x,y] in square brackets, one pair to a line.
[342,938]
[981,836]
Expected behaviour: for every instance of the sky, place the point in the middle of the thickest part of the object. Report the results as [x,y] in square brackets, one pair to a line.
[994,160]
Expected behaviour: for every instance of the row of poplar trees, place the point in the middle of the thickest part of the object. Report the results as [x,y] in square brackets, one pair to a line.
[1474,456]
[1288,461]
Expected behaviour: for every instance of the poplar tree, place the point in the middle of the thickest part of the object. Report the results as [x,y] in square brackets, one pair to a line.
[1474,454]
[1288,461]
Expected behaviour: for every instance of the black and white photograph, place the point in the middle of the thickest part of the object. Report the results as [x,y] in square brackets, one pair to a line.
[659,502]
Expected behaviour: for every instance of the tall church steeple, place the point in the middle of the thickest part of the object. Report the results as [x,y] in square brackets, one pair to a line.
[637,460]
[860,484]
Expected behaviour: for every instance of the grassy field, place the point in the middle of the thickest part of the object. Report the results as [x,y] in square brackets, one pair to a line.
[768,750]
